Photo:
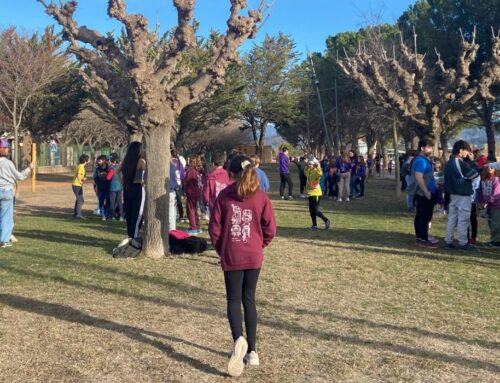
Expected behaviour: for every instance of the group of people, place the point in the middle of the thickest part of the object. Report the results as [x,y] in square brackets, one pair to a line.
[342,178]
[466,183]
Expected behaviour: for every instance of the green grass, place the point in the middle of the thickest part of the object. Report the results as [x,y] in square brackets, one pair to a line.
[355,304]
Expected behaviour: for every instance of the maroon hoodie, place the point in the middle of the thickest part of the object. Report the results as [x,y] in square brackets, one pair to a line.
[216,181]
[240,229]
[192,183]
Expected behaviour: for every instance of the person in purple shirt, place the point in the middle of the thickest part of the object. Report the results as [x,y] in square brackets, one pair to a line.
[359,184]
[354,165]
[344,169]
[285,177]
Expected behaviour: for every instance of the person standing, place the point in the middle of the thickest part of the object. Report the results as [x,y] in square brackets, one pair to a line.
[359,185]
[458,176]
[9,175]
[285,177]
[77,185]
[261,174]
[133,169]
[192,181]
[115,189]
[242,224]
[425,194]
[314,173]
[216,181]
[180,173]
[343,166]
[102,179]
[489,197]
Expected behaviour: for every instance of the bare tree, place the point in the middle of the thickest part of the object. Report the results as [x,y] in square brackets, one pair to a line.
[434,97]
[147,82]
[27,66]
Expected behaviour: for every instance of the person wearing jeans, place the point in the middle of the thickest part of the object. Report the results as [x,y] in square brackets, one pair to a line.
[8,178]
[425,194]
[458,177]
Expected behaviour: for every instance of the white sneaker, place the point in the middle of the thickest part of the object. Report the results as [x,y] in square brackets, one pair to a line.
[13,239]
[347,199]
[339,200]
[252,359]
[235,366]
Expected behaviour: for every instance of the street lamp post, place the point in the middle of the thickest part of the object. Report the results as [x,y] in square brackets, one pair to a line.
[316,83]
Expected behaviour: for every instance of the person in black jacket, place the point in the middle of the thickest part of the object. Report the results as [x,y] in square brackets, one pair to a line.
[458,176]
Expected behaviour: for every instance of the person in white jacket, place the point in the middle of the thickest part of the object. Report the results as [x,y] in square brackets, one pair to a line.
[9,175]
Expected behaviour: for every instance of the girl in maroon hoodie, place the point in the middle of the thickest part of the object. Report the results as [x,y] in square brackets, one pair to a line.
[216,181]
[241,225]
[192,186]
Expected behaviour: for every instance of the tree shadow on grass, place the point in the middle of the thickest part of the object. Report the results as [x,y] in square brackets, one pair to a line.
[68,238]
[72,315]
[395,241]
[277,325]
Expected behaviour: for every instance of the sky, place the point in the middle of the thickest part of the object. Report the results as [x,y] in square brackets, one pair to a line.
[308,22]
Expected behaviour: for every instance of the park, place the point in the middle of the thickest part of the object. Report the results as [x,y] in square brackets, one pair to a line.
[366,295]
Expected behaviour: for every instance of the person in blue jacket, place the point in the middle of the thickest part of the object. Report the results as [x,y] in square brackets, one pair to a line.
[261,174]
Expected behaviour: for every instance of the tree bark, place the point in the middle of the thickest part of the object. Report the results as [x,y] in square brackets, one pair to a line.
[487,117]
[262,140]
[397,170]
[157,144]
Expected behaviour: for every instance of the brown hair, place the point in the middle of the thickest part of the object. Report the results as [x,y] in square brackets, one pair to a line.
[195,162]
[345,156]
[485,173]
[247,182]
[255,159]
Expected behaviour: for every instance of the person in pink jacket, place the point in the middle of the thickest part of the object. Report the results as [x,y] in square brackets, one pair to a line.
[242,224]
[216,181]
[489,197]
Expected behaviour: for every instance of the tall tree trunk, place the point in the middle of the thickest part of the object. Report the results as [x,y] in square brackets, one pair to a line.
[262,140]
[444,145]
[157,143]
[487,117]
[397,169]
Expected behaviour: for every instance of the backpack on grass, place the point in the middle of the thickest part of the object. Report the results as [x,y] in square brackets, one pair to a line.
[182,243]
[128,248]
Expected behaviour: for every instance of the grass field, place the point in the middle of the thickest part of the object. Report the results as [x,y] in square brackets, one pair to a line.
[354,304]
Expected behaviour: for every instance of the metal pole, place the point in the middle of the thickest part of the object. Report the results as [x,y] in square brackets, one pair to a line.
[316,82]
[308,127]
[337,144]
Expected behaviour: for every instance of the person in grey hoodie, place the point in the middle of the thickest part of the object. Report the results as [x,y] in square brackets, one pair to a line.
[285,177]
[458,176]
[8,178]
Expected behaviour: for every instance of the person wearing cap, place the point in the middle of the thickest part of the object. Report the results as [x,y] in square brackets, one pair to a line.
[9,175]
[314,173]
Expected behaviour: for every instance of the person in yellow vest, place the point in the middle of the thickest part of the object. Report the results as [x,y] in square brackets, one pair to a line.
[77,185]
[313,174]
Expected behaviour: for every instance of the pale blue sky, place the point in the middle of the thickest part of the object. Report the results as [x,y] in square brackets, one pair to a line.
[309,22]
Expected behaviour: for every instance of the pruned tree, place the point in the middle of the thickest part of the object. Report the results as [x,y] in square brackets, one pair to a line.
[432,96]
[146,80]
[272,93]
[28,65]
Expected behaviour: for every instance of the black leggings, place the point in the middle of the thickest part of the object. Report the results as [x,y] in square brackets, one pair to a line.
[425,208]
[178,198]
[286,179]
[472,230]
[240,288]
[134,198]
[314,210]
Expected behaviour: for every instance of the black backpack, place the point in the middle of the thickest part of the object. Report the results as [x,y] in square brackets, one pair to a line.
[189,245]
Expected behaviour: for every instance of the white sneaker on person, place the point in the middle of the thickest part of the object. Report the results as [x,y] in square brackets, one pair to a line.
[432,239]
[339,199]
[347,199]
[13,239]
[252,359]
[96,212]
[235,366]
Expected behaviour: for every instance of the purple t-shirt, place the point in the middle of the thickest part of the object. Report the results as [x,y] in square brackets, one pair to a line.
[344,167]
[284,163]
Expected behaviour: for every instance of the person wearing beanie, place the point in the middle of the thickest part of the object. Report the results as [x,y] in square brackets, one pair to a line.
[9,175]
[241,225]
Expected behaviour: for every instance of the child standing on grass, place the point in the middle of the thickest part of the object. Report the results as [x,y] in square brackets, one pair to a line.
[102,179]
[115,189]
[242,224]
[77,185]
[489,197]
[261,174]
[216,181]
[314,173]
[193,193]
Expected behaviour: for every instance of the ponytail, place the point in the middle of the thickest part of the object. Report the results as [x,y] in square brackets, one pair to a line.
[247,182]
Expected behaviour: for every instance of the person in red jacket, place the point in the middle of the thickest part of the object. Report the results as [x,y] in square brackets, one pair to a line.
[242,224]
[216,181]
[192,186]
